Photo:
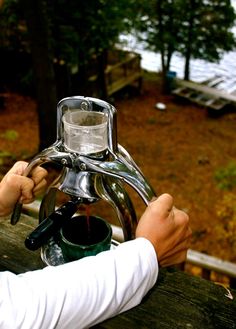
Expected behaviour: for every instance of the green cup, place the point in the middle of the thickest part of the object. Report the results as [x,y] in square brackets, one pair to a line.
[84,236]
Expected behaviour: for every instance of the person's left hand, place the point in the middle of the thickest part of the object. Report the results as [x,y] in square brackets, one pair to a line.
[167,228]
[15,187]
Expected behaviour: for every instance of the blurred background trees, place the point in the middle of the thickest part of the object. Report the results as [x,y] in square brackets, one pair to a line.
[197,29]
[67,41]
[50,49]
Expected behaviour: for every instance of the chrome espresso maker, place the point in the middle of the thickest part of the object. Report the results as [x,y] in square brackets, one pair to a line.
[94,167]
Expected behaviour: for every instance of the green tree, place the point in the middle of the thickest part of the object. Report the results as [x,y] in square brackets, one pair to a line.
[194,28]
[158,21]
[12,45]
[25,33]
[206,32]
[84,32]
[42,59]
[75,34]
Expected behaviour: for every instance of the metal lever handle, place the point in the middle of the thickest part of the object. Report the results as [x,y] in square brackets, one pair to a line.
[18,206]
[119,168]
[49,154]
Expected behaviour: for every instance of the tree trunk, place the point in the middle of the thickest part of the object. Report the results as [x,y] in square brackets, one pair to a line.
[165,52]
[189,41]
[187,66]
[42,58]
[101,82]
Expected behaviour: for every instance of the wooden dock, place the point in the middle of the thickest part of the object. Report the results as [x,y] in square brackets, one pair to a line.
[205,95]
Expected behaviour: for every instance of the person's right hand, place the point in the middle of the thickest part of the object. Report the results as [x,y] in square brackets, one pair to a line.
[15,187]
[167,228]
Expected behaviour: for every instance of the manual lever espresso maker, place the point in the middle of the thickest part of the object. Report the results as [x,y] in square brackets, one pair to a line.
[94,167]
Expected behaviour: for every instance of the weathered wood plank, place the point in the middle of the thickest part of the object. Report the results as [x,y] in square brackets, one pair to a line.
[126,70]
[13,254]
[179,300]
[200,98]
[213,81]
[114,86]
[206,90]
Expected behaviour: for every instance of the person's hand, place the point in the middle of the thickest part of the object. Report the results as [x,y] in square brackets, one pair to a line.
[167,228]
[15,187]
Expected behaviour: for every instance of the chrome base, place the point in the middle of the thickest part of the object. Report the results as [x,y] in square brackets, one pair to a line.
[51,253]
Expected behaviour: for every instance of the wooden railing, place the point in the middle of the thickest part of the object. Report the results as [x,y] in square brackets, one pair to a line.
[124,73]
[125,70]
[207,264]
[210,265]
[177,300]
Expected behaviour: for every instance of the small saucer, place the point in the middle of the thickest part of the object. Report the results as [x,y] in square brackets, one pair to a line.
[51,253]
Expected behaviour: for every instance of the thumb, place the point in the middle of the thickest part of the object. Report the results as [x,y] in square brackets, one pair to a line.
[162,205]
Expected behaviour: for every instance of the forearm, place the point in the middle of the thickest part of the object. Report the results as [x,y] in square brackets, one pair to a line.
[85,292]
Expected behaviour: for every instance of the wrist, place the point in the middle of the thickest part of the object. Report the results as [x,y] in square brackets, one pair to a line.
[5,205]
[150,244]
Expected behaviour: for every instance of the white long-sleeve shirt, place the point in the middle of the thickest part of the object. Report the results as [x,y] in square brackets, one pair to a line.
[81,293]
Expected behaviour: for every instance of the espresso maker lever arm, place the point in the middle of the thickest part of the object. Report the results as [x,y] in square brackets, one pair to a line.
[18,206]
[50,154]
[124,170]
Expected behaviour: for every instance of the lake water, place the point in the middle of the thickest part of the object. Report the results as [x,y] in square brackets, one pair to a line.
[200,70]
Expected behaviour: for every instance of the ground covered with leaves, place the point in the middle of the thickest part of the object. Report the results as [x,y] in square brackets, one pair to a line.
[181,150]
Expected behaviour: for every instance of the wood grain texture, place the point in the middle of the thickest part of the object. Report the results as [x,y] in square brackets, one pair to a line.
[13,254]
[178,300]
